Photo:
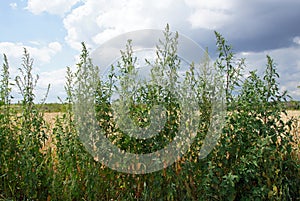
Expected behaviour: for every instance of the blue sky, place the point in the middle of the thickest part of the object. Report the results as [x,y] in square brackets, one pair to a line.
[52,31]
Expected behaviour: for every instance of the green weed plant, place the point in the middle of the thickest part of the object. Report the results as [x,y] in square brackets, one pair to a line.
[253,160]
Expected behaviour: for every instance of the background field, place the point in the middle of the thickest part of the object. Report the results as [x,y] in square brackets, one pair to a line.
[50,118]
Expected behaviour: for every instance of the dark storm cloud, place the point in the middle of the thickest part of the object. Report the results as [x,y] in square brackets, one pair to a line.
[256,26]
[260,28]
[262,25]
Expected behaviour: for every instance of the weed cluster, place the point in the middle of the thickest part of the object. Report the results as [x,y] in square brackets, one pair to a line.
[254,158]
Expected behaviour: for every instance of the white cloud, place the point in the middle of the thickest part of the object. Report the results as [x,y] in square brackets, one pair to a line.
[287,61]
[56,7]
[56,79]
[212,4]
[55,46]
[296,40]
[208,19]
[13,5]
[41,54]
[97,21]
[211,14]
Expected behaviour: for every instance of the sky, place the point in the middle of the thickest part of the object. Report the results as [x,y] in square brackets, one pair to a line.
[52,32]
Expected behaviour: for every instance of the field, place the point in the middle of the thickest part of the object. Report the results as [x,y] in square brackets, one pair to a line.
[51,116]
[296,129]
[295,114]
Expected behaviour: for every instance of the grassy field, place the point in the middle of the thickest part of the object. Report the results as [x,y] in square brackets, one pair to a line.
[51,116]
[295,114]
[296,129]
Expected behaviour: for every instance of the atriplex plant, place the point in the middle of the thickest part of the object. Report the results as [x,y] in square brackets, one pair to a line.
[253,159]
[23,167]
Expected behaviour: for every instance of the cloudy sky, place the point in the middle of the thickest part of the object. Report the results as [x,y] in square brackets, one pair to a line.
[52,31]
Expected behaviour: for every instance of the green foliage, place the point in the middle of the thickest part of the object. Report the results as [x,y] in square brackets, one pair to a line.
[229,66]
[254,157]
[23,164]
[253,160]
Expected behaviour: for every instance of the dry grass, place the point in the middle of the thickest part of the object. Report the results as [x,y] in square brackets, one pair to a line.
[295,114]
[50,119]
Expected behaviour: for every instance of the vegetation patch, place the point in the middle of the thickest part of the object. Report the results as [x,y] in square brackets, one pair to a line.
[255,158]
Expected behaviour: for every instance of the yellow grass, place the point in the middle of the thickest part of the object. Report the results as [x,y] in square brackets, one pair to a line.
[50,119]
[296,130]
